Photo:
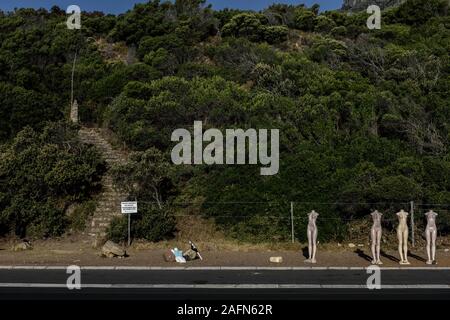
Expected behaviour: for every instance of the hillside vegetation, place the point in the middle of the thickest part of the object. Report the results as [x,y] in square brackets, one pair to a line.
[364,115]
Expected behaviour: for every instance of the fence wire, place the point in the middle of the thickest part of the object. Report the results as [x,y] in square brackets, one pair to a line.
[287,220]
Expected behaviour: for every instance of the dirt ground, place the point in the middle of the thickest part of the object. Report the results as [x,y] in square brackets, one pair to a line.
[80,252]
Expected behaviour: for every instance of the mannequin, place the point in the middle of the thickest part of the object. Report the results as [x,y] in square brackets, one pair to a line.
[312,237]
[375,236]
[402,235]
[431,234]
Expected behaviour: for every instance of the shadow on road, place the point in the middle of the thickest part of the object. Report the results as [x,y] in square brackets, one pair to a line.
[363,255]
[305,252]
[388,256]
[414,256]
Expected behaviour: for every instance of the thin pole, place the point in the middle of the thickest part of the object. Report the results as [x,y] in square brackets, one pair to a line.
[73,75]
[129,229]
[412,225]
[292,222]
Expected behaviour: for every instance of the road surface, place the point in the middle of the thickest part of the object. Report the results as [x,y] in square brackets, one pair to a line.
[212,283]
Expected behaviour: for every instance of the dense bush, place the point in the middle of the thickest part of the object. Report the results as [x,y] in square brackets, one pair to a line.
[255,28]
[150,223]
[147,177]
[305,19]
[41,174]
[81,215]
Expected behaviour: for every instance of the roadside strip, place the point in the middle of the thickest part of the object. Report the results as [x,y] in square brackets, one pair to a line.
[143,268]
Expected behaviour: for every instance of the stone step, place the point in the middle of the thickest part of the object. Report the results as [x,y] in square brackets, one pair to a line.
[104,199]
[108,202]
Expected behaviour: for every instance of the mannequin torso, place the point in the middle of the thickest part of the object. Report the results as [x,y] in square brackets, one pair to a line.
[376,216]
[312,217]
[402,217]
[431,220]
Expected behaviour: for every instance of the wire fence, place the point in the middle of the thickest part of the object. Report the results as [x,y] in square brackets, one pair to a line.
[287,221]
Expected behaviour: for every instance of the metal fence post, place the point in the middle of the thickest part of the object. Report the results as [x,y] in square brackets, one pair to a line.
[292,222]
[413,238]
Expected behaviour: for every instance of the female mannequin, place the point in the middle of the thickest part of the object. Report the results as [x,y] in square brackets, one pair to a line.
[431,234]
[375,236]
[312,236]
[402,235]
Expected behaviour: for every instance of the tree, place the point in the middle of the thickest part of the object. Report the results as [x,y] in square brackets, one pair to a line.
[305,19]
[416,12]
[246,25]
[146,176]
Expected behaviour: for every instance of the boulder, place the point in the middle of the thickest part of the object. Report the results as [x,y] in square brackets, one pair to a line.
[169,256]
[111,250]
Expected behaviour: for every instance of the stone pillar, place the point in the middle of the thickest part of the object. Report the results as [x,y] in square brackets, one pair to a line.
[74,112]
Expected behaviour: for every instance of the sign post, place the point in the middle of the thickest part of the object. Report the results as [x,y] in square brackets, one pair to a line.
[129,208]
[129,229]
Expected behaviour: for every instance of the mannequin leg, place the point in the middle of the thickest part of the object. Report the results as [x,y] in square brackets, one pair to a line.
[433,245]
[373,236]
[428,236]
[314,236]
[378,247]
[405,246]
[400,245]
[309,234]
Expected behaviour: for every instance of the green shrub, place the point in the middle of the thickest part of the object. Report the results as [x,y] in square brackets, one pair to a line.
[151,224]
[305,19]
[415,12]
[40,175]
[324,24]
[81,215]
[118,230]
[339,31]
[275,34]
[248,25]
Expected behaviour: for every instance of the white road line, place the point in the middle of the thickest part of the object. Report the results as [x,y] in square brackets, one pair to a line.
[145,268]
[221,286]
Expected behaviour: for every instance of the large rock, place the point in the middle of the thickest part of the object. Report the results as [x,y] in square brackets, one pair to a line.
[169,256]
[111,250]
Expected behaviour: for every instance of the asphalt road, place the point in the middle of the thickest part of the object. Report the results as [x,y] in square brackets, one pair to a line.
[229,284]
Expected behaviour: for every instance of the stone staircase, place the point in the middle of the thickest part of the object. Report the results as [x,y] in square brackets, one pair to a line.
[108,201]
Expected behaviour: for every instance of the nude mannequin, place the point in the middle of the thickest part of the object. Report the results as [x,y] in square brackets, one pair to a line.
[402,235]
[375,235]
[312,237]
[431,234]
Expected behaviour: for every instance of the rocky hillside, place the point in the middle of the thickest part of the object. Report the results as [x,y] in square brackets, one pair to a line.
[359,5]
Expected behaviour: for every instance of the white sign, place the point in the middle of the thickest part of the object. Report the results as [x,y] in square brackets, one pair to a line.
[129,207]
